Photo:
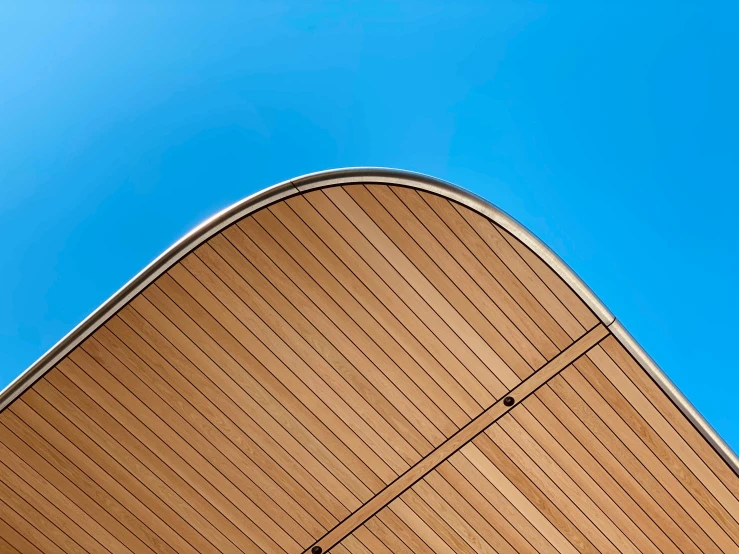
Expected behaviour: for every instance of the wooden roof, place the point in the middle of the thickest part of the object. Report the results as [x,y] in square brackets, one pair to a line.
[364,361]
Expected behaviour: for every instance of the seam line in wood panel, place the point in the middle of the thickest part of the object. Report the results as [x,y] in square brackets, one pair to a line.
[341,310]
[445,503]
[146,481]
[285,341]
[511,239]
[430,259]
[680,492]
[8,432]
[210,502]
[268,349]
[551,486]
[144,384]
[506,250]
[671,446]
[664,404]
[644,479]
[461,502]
[703,495]
[450,468]
[241,473]
[462,437]
[647,466]
[580,463]
[503,233]
[333,321]
[44,449]
[344,355]
[369,313]
[411,333]
[438,279]
[471,365]
[404,278]
[385,283]
[169,474]
[482,264]
[37,520]
[230,418]
[104,470]
[466,224]
[239,387]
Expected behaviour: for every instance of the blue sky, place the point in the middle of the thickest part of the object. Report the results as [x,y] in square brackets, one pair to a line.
[608,128]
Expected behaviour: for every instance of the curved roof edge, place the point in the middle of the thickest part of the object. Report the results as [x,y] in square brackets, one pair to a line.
[322,179]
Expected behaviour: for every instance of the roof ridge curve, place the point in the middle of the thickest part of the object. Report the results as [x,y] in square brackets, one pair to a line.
[333,177]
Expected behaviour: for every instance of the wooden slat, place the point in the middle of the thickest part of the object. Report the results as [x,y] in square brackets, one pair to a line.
[185,439]
[401,225]
[530,483]
[467,522]
[227,413]
[375,247]
[381,417]
[389,539]
[278,355]
[111,513]
[32,486]
[564,312]
[12,541]
[52,534]
[471,230]
[581,455]
[570,500]
[145,482]
[386,327]
[226,421]
[62,486]
[599,423]
[396,294]
[678,432]
[403,532]
[157,533]
[332,331]
[533,508]
[235,385]
[36,508]
[553,282]
[198,482]
[717,522]
[24,535]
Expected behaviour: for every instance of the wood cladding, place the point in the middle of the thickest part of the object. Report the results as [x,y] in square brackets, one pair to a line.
[331,370]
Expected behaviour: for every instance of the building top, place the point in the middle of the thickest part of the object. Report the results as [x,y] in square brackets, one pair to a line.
[358,360]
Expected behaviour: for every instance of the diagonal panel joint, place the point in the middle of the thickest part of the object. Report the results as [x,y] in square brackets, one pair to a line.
[497,410]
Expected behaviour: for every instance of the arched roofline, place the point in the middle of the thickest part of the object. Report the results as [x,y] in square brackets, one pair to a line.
[333,177]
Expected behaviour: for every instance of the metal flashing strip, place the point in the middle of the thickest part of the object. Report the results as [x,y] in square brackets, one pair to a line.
[335,177]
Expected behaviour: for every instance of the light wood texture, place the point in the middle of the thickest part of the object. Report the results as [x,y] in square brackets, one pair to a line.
[465,435]
[331,370]
[574,467]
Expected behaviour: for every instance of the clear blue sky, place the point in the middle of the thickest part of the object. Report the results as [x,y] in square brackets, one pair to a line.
[608,128]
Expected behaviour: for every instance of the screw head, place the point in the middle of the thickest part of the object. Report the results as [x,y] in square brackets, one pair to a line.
[508,401]
[316,550]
